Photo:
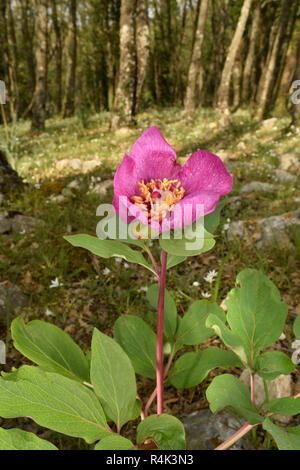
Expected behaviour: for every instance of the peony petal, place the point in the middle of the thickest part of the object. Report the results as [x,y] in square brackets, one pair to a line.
[187,207]
[154,157]
[205,171]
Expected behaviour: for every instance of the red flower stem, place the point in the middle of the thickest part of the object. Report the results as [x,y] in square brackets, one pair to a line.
[160,335]
[154,393]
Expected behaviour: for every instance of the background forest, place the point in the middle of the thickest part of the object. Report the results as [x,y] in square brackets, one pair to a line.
[83,80]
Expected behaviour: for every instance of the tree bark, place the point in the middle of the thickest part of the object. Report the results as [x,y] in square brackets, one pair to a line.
[142,47]
[249,63]
[296,94]
[271,67]
[40,92]
[69,103]
[224,88]
[194,68]
[13,66]
[58,54]
[28,42]
[124,99]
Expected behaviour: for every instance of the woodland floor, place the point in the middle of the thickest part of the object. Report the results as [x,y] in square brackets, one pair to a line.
[88,298]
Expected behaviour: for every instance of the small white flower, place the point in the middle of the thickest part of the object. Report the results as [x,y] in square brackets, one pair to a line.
[126,265]
[106,271]
[49,313]
[196,284]
[143,289]
[210,276]
[282,337]
[55,283]
[206,295]
[22,232]
[118,260]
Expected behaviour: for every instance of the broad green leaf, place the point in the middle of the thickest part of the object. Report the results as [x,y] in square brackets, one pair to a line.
[113,378]
[192,328]
[230,339]
[273,363]
[170,310]
[288,406]
[285,438]
[228,391]
[173,260]
[16,439]
[108,249]
[53,401]
[166,431]
[187,244]
[139,342]
[256,314]
[296,327]
[115,442]
[211,221]
[50,348]
[192,368]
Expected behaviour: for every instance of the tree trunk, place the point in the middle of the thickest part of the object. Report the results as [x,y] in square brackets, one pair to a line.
[236,78]
[271,67]
[296,94]
[28,43]
[224,88]
[249,63]
[110,60]
[194,67]
[5,52]
[69,104]
[142,47]
[124,99]
[58,54]
[40,92]
[12,45]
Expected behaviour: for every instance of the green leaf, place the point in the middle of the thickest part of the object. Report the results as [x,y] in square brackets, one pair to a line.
[170,310]
[108,249]
[187,243]
[256,314]
[211,221]
[115,442]
[192,328]
[288,406]
[53,401]
[173,260]
[231,340]
[296,327]
[192,368]
[273,363]
[50,348]
[166,431]
[16,439]
[228,391]
[285,438]
[139,342]
[113,378]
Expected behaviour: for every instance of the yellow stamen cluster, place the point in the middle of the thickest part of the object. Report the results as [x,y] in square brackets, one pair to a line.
[158,197]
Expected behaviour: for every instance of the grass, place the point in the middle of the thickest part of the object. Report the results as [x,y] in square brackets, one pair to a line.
[89,298]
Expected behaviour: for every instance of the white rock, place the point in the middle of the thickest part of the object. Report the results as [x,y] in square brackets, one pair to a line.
[289,161]
[257,186]
[269,123]
[284,176]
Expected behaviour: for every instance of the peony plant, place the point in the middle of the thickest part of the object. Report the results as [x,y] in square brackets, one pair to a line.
[93,396]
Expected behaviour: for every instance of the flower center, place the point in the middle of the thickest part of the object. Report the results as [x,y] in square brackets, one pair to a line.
[158,198]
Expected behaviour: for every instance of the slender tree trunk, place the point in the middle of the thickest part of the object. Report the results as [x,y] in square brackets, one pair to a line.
[249,63]
[6,61]
[12,44]
[69,104]
[142,47]
[224,88]
[271,67]
[194,67]
[296,95]
[178,85]
[28,42]
[124,99]
[236,76]
[110,60]
[58,54]
[40,92]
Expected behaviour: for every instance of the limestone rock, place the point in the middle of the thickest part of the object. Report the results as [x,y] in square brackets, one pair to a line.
[284,176]
[101,188]
[205,430]
[10,299]
[257,186]
[278,388]
[23,223]
[5,222]
[269,123]
[289,161]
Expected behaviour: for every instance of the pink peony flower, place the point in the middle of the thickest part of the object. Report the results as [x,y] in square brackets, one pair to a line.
[151,186]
